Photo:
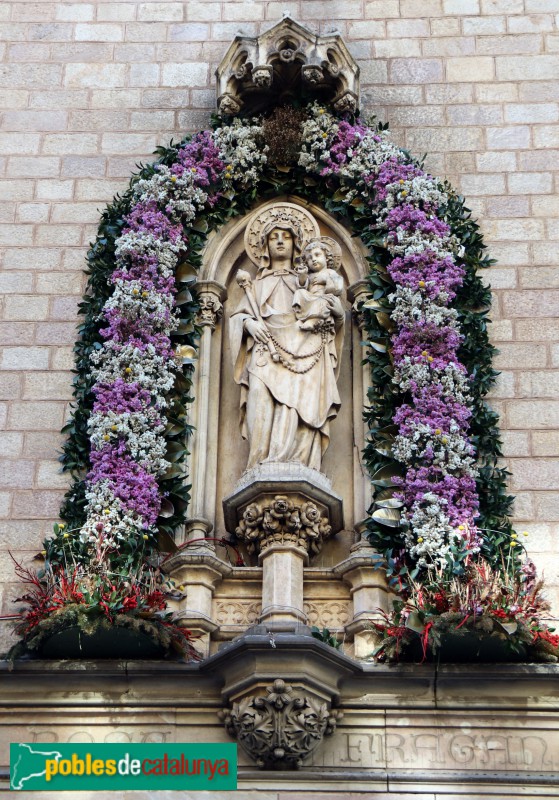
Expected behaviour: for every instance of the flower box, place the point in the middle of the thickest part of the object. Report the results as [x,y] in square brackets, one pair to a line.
[466,648]
[102,642]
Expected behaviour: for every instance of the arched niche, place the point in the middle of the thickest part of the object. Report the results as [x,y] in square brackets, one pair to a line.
[219,454]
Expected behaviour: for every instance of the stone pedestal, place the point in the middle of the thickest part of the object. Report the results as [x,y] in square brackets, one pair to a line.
[283,512]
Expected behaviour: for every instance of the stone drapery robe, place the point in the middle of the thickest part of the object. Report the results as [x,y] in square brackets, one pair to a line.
[285,415]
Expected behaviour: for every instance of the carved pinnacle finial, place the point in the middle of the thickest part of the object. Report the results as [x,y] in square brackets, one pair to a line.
[286,63]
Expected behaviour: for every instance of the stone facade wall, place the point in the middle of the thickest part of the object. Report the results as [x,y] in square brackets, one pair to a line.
[88,89]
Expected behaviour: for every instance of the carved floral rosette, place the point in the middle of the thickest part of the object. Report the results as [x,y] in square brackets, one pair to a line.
[283,519]
[279,730]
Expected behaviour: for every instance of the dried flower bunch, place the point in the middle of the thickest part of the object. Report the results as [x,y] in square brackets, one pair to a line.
[282,132]
[485,606]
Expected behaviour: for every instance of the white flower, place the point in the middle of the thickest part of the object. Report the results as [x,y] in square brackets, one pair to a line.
[411,306]
[145,367]
[241,148]
[417,191]
[106,517]
[181,196]
[142,431]
[451,451]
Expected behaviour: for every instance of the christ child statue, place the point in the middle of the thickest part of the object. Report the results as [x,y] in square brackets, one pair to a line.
[315,302]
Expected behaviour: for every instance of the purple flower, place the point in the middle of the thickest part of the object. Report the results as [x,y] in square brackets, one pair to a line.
[147,218]
[201,158]
[138,331]
[345,140]
[425,341]
[144,268]
[411,219]
[431,408]
[456,492]
[131,483]
[438,274]
[120,397]
[392,171]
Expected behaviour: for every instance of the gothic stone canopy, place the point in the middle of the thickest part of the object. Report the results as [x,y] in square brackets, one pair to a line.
[285,63]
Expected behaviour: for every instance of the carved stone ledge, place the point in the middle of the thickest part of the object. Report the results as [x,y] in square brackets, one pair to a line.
[286,62]
[280,729]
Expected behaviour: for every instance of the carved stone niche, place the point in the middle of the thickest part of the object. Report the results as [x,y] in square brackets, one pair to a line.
[284,63]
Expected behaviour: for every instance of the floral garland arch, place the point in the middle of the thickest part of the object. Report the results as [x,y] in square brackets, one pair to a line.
[439,519]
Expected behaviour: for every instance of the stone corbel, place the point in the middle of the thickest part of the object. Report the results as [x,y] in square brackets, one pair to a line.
[210,296]
[280,729]
[312,74]
[263,76]
[345,103]
[229,104]
[357,293]
[279,721]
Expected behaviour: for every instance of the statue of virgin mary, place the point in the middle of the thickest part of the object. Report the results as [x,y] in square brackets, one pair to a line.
[287,373]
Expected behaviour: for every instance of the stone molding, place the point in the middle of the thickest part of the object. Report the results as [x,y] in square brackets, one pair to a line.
[237,612]
[328,613]
[331,613]
[280,729]
[449,729]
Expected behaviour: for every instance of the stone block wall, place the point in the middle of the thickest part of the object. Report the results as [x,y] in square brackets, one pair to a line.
[88,89]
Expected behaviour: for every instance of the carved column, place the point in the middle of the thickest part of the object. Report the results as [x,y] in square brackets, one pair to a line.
[200,571]
[196,565]
[369,592]
[357,293]
[203,468]
[283,528]
[279,528]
